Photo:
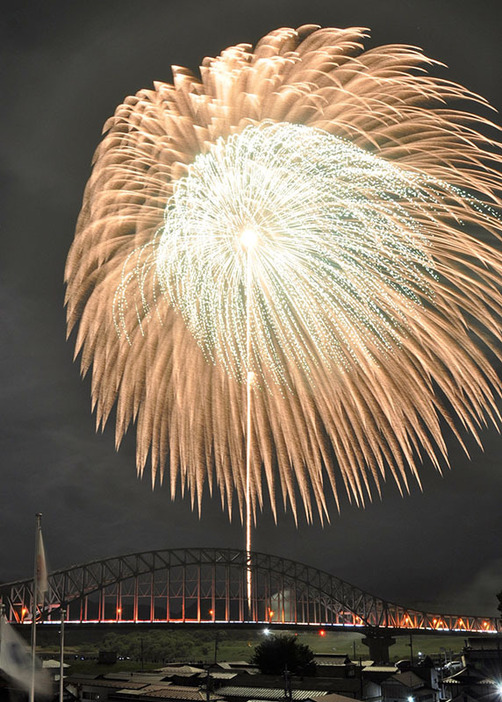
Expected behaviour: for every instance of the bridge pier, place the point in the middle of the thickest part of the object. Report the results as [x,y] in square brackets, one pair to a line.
[378,642]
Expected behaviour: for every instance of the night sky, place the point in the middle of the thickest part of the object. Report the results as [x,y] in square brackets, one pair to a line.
[65,67]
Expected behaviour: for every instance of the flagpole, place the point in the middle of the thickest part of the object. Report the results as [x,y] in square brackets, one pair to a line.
[38,529]
[61,655]
[2,619]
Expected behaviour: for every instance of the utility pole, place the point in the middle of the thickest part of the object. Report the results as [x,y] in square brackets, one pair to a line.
[61,655]
[216,642]
[287,684]
[208,684]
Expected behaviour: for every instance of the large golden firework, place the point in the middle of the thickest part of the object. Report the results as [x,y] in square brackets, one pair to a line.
[300,247]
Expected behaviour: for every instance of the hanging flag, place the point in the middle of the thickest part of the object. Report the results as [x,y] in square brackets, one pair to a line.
[16,661]
[41,569]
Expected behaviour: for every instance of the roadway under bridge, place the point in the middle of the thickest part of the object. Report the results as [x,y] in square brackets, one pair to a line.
[207,587]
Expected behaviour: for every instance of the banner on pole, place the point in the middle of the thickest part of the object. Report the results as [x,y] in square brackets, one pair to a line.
[41,569]
[16,661]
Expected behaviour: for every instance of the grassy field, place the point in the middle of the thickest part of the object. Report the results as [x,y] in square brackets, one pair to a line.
[158,648]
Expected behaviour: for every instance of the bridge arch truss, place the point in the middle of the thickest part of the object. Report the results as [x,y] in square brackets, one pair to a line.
[208,585]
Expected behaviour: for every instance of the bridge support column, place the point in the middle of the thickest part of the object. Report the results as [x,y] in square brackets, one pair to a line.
[379,643]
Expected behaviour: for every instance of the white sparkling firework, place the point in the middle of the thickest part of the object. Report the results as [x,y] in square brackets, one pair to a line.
[338,262]
[309,218]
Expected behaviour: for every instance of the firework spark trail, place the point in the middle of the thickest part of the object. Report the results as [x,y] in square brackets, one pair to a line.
[375,278]
[247,239]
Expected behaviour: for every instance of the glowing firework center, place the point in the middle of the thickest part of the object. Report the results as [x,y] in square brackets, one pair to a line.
[323,231]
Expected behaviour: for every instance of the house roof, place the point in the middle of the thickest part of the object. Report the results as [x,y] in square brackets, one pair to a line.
[187,670]
[100,682]
[166,692]
[339,661]
[332,697]
[407,679]
[140,687]
[267,693]
[138,677]
[52,664]
[466,676]
[240,666]
[223,675]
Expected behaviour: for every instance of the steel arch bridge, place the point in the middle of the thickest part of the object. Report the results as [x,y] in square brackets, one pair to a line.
[208,586]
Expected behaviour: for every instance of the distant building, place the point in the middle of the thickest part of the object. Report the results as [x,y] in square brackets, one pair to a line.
[334,665]
[407,687]
[372,677]
[338,679]
[479,678]
[470,685]
[148,687]
[485,654]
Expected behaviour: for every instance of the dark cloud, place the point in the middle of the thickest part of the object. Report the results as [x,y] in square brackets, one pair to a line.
[66,67]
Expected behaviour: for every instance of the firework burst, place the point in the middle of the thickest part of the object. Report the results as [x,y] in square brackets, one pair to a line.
[308,226]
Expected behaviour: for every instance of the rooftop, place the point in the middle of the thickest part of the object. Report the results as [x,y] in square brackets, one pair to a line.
[267,693]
